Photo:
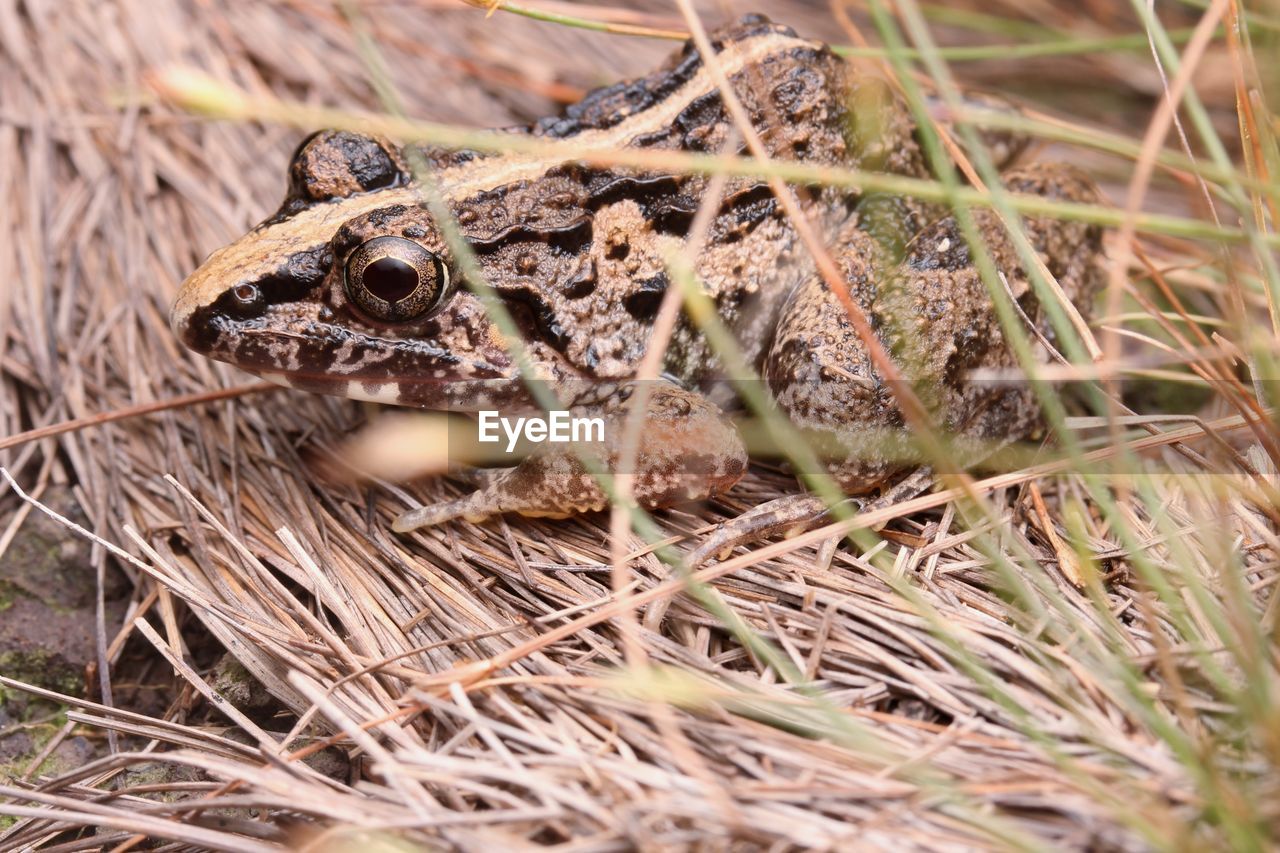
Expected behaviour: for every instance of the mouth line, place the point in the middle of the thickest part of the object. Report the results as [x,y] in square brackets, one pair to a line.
[433,359]
[414,381]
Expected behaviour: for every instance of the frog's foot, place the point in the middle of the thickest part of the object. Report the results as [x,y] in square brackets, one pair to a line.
[793,514]
[782,516]
[686,451]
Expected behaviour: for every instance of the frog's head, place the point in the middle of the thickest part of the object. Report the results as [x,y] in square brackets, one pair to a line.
[349,290]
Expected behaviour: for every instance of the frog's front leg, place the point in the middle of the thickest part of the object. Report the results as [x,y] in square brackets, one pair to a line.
[687,451]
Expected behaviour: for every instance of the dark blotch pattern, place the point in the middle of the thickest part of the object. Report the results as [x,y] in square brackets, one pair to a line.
[535,313]
[298,278]
[643,303]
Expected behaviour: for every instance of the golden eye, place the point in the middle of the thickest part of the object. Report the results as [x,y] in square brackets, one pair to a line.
[395,280]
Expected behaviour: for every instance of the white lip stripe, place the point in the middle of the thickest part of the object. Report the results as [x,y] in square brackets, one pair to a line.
[243,258]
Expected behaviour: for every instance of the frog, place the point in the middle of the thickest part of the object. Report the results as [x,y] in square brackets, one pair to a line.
[352,288]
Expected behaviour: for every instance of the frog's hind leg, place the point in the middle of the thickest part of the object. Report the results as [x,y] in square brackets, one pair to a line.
[934,315]
[687,451]
[820,371]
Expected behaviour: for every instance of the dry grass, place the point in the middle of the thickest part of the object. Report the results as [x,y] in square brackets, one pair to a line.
[1084,659]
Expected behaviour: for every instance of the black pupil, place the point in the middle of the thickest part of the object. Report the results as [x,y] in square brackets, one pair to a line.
[390,279]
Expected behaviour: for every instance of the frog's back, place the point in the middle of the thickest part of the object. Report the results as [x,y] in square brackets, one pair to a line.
[805,105]
[582,254]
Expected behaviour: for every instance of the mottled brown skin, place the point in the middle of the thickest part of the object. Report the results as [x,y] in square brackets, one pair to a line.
[578,255]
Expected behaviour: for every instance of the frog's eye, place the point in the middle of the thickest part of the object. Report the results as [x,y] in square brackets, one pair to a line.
[395,280]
